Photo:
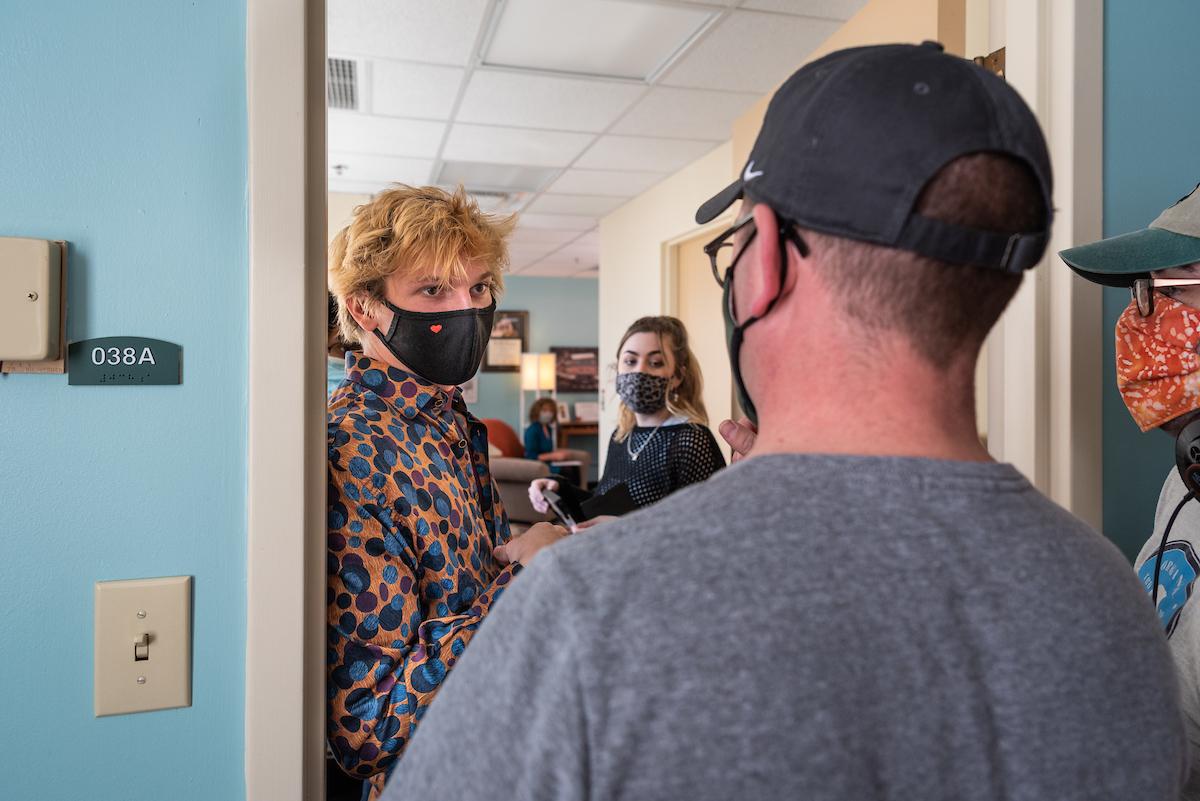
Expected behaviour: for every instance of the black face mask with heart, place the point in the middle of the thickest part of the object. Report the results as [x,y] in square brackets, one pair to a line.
[443,347]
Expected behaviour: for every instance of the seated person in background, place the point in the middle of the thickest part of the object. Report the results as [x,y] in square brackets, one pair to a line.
[539,444]
[868,607]
[662,442]
[1158,375]
[415,521]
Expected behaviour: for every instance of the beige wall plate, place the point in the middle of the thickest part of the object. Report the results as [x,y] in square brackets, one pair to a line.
[143,645]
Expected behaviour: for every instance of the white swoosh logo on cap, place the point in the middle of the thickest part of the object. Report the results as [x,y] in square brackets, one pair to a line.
[749,174]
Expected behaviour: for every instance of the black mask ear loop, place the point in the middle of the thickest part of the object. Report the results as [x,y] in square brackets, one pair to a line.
[786,234]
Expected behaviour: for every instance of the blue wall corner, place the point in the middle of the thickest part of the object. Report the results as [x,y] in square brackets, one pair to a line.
[1150,161]
[124,132]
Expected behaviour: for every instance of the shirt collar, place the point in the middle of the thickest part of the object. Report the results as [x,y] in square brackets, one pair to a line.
[408,392]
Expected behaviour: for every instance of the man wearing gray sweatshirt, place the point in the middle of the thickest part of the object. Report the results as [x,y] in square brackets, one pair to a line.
[868,607]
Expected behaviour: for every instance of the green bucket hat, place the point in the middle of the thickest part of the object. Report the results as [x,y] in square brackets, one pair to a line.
[1172,240]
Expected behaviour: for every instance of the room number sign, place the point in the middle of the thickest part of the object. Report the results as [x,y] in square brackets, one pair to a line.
[124,361]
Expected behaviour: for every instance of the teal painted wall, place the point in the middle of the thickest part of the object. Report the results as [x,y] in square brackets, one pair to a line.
[562,312]
[123,130]
[1151,159]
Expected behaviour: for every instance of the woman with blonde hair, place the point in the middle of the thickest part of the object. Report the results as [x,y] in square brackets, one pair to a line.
[662,442]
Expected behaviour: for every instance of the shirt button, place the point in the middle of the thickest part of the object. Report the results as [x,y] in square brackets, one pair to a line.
[462,444]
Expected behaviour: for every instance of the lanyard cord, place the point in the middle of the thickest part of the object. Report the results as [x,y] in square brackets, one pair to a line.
[1163,544]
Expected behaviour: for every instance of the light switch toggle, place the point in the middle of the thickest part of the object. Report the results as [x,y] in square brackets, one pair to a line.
[141,649]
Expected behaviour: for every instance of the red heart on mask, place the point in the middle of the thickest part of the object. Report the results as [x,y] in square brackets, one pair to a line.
[435,328]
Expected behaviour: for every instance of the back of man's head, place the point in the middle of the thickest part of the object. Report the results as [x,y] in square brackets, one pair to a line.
[943,310]
[922,180]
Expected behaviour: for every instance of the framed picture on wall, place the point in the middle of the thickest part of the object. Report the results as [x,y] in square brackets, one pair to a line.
[564,413]
[510,338]
[577,369]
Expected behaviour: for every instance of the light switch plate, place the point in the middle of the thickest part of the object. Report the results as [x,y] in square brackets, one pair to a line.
[30,272]
[143,645]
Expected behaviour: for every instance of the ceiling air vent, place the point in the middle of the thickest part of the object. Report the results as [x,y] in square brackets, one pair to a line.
[341,83]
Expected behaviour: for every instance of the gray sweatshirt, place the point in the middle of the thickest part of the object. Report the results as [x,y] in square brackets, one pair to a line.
[820,628]
[1179,618]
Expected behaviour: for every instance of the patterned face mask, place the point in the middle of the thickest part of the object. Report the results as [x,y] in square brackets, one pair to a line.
[1158,369]
[642,393]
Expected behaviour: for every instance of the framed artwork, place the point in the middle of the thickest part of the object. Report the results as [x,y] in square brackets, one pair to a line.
[577,369]
[564,413]
[510,338]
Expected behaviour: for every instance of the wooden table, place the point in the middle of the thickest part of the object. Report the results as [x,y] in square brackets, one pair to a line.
[576,428]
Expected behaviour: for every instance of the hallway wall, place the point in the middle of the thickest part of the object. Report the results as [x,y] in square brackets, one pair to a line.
[124,132]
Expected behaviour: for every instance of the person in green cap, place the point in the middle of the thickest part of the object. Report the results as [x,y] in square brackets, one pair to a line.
[1158,375]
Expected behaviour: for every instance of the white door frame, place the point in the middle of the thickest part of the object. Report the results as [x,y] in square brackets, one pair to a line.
[285,497]
[1044,396]
[1044,359]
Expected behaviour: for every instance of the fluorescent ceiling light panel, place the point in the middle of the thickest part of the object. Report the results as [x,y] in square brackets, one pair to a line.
[610,38]
[351,132]
[495,177]
[529,100]
[441,32]
[400,89]
[514,145]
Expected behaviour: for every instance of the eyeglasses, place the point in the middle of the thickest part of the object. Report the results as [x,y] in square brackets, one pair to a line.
[722,255]
[1143,291]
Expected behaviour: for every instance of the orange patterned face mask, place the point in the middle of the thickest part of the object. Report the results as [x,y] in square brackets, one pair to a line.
[1158,369]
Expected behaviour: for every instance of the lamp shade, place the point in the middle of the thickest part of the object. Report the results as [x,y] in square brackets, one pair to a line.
[529,372]
[546,371]
[537,371]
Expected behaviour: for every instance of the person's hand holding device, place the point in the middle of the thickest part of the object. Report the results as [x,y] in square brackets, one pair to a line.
[522,549]
[536,488]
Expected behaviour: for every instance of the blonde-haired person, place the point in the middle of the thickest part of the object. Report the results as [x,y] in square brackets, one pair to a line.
[662,442]
[419,544]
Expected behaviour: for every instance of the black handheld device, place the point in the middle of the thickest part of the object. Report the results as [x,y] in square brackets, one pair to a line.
[557,506]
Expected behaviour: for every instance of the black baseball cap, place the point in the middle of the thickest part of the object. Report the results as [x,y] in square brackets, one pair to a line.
[850,140]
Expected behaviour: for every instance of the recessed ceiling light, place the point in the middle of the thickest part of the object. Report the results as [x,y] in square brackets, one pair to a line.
[603,38]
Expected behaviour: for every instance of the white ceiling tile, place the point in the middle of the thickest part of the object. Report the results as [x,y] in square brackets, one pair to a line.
[541,101]
[781,45]
[830,9]
[380,169]
[590,239]
[514,145]
[592,37]
[550,269]
[354,187]
[541,236]
[557,222]
[643,153]
[351,132]
[440,33]
[605,182]
[526,254]
[400,89]
[594,205]
[686,113]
